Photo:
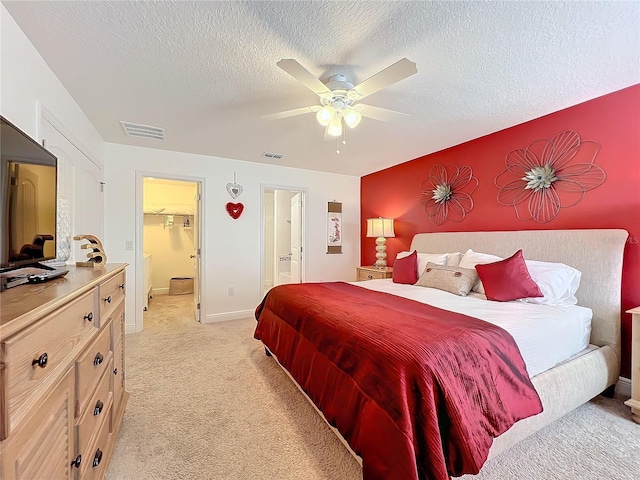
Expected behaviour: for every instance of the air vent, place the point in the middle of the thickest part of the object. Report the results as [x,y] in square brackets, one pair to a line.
[273,155]
[144,131]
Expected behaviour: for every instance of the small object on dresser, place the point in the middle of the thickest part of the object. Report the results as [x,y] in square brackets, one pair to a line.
[97,257]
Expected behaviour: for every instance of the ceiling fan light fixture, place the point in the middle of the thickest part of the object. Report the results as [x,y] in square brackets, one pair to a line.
[335,126]
[325,115]
[352,118]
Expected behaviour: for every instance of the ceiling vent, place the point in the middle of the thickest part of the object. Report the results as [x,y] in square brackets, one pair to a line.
[144,131]
[273,155]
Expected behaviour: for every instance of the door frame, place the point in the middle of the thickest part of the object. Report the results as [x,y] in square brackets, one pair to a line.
[303,225]
[138,247]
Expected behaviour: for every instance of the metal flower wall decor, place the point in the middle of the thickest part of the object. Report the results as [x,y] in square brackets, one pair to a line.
[446,194]
[549,175]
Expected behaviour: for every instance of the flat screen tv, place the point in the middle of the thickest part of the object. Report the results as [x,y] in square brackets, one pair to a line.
[27,200]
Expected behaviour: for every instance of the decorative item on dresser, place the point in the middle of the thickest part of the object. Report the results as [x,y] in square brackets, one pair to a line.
[380,229]
[97,256]
[634,401]
[370,273]
[62,391]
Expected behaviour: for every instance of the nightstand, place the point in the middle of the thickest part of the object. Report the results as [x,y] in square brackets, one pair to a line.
[370,273]
[634,401]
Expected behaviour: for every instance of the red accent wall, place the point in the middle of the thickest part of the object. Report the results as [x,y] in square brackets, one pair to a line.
[612,120]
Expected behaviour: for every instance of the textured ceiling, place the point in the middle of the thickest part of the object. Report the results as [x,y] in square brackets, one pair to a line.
[206,71]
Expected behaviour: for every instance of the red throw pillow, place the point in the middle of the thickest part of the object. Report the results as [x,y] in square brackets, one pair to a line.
[405,270]
[508,279]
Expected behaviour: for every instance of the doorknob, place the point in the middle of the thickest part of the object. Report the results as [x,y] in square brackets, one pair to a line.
[192,256]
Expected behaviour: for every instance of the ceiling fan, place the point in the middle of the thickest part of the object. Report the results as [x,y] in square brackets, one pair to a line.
[340,99]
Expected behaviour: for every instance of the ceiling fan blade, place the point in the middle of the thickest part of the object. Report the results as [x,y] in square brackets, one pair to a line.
[398,71]
[297,71]
[291,113]
[381,114]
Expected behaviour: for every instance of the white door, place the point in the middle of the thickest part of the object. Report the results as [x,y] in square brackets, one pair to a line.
[197,254]
[80,185]
[296,238]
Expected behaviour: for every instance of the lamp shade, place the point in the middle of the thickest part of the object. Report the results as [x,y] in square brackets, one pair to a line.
[335,126]
[380,227]
[325,115]
[352,118]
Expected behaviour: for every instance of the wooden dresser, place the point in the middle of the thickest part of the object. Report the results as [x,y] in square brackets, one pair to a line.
[62,375]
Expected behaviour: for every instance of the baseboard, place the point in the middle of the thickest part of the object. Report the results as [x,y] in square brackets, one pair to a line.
[223,317]
[623,387]
[129,328]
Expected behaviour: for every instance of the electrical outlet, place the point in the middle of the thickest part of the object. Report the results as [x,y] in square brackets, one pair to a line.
[230,291]
[128,245]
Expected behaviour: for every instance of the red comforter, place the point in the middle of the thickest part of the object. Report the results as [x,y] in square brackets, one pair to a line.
[417,391]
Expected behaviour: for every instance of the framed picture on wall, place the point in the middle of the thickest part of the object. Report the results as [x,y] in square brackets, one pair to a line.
[334,227]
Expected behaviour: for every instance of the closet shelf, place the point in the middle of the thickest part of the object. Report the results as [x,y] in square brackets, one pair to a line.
[174,214]
[176,209]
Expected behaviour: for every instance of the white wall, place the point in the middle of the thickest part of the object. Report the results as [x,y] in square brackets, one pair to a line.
[26,81]
[231,253]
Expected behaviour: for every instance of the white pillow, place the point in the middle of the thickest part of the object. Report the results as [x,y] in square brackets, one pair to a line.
[470,259]
[454,259]
[424,258]
[557,282]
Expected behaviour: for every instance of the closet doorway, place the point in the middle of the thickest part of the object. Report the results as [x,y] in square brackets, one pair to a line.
[170,249]
[283,236]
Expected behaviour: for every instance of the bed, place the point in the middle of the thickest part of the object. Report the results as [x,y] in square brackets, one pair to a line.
[597,254]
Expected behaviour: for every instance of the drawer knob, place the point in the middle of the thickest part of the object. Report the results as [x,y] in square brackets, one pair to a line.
[89,316]
[98,359]
[41,361]
[77,461]
[98,408]
[97,458]
[122,286]
[108,299]
[369,277]
[115,371]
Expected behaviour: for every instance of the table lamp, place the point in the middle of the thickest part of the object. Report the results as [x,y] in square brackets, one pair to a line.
[380,229]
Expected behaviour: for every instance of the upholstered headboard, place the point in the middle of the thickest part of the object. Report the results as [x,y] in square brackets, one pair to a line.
[596,253]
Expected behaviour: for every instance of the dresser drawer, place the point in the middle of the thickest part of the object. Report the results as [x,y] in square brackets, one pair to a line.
[118,375]
[117,326]
[111,293]
[94,414]
[35,353]
[95,461]
[90,366]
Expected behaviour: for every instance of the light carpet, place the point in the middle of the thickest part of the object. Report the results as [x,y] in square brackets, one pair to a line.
[207,404]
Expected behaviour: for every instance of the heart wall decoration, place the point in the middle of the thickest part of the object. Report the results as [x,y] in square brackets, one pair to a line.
[234,189]
[234,209]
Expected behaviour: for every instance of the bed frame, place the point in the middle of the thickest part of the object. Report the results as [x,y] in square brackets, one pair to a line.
[598,255]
